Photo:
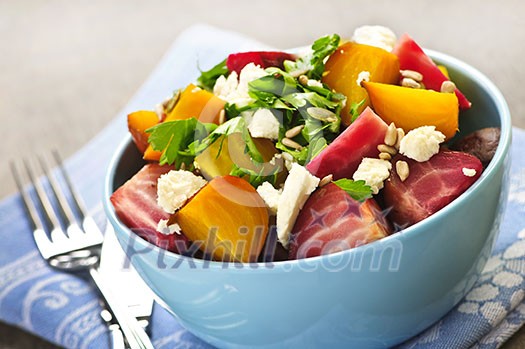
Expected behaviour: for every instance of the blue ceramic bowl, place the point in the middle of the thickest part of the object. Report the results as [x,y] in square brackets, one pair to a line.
[374,296]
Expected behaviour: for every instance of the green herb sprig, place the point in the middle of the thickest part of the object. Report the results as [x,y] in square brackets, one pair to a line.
[173,138]
[208,78]
[313,65]
[358,190]
[235,125]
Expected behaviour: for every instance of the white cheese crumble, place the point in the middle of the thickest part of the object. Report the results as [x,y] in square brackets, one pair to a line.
[176,187]
[289,160]
[421,143]
[314,83]
[249,73]
[270,195]
[276,156]
[224,87]
[469,172]
[247,115]
[159,110]
[303,63]
[264,124]
[234,89]
[375,35]
[297,188]
[362,76]
[165,229]
[374,172]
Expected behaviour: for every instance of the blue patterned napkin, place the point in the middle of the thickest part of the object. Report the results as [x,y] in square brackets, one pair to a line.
[64,309]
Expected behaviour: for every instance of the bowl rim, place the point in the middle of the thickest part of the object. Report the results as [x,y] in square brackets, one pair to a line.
[407,233]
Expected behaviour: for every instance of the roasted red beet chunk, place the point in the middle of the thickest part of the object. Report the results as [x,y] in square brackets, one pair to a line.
[236,61]
[342,157]
[136,205]
[331,221]
[430,186]
[481,143]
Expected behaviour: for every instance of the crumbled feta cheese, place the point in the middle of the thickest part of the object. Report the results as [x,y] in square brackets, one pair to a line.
[288,160]
[374,172]
[314,83]
[264,124]
[469,172]
[176,187]
[270,195]
[303,63]
[249,73]
[421,143]
[234,89]
[362,76]
[297,188]
[159,110]
[276,156]
[375,35]
[225,87]
[247,115]
[165,229]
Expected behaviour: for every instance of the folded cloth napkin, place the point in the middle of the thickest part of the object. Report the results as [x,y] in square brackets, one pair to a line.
[64,309]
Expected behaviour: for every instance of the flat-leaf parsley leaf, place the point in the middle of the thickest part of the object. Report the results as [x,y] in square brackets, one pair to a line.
[358,190]
[172,138]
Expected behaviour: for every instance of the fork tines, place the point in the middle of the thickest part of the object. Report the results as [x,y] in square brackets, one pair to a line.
[55,218]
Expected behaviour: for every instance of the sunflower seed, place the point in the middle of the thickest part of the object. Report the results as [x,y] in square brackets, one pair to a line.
[402,170]
[408,82]
[291,144]
[303,80]
[321,114]
[448,87]
[172,102]
[297,73]
[400,135]
[391,135]
[287,157]
[222,117]
[291,133]
[166,101]
[385,156]
[383,148]
[412,74]
[327,179]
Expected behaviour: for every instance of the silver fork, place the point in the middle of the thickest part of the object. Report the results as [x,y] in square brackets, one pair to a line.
[78,247]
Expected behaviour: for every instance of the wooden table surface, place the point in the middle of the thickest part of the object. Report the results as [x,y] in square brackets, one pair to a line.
[67,67]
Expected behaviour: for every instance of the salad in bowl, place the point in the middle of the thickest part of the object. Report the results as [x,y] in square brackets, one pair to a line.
[346,195]
[333,149]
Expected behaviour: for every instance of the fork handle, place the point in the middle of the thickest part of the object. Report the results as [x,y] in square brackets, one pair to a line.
[116,337]
[133,332]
